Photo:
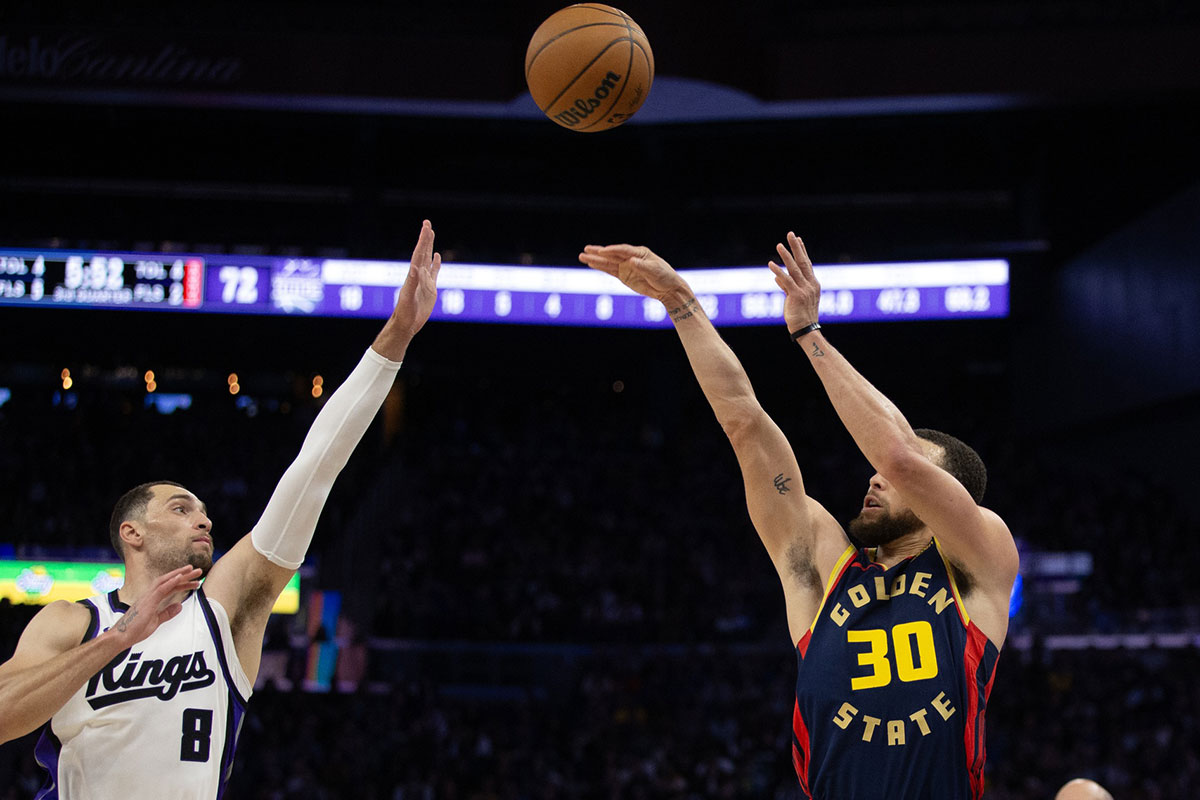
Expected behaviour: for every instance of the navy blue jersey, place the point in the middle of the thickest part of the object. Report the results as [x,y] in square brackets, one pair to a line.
[893,679]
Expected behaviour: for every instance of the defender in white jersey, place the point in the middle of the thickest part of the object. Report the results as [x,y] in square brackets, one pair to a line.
[142,691]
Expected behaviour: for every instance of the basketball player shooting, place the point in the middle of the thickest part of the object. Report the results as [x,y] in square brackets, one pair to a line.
[142,691]
[896,640]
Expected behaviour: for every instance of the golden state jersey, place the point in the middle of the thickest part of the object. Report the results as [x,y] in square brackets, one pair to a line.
[160,721]
[893,679]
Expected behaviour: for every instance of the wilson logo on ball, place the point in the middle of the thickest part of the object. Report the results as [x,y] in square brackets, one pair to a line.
[589,67]
[583,107]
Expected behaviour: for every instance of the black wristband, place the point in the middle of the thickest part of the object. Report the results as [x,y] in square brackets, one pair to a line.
[816,326]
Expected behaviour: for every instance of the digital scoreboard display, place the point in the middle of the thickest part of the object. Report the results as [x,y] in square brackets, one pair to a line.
[320,287]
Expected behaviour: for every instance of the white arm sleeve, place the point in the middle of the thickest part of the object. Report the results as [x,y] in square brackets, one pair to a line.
[286,527]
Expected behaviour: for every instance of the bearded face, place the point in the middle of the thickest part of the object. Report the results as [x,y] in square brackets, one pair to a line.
[877,526]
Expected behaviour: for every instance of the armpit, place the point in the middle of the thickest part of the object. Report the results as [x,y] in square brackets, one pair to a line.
[802,566]
[963,579]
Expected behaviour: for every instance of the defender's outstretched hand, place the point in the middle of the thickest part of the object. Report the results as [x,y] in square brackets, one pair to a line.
[798,282]
[414,301]
[637,267]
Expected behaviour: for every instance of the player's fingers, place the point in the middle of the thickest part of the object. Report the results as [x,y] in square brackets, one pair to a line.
[619,252]
[782,278]
[169,612]
[176,575]
[436,267]
[801,255]
[599,263]
[785,255]
[424,248]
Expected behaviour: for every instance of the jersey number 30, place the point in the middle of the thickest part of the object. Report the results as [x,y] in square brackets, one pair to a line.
[908,637]
[197,734]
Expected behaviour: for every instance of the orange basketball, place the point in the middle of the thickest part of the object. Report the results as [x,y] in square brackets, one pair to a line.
[589,67]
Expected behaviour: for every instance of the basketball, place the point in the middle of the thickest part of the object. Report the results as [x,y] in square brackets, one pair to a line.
[589,67]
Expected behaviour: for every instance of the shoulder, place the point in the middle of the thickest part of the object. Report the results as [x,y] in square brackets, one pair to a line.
[63,620]
[55,629]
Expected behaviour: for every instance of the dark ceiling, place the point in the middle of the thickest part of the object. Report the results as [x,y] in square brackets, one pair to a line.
[1021,129]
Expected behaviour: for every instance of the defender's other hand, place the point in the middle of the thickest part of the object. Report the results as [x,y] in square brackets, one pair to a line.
[798,282]
[639,268]
[155,606]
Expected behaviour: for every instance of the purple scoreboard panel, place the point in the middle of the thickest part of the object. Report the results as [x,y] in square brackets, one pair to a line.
[321,287]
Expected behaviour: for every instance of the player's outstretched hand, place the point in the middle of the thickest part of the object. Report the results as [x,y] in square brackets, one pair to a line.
[637,267]
[414,301]
[156,606]
[798,282]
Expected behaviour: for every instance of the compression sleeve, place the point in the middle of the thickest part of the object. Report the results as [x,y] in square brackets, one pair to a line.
[286,527]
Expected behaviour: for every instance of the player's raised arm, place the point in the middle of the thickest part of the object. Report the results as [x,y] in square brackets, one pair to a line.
[973,537]
[801,537]
[250,577]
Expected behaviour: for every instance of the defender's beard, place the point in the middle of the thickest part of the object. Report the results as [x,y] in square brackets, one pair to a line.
[883,527]
[163,562]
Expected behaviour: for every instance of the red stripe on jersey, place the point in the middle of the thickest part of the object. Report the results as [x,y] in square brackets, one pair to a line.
[973,738]
[800,747]
[802,645]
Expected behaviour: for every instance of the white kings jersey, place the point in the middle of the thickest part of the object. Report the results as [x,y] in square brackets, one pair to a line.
[160,722]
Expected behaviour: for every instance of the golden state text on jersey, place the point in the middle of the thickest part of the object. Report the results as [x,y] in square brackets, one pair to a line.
[893,680]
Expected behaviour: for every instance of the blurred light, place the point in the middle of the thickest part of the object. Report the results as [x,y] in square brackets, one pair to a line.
[232,379]
[1017,598]
[234,388]
[318,381]
[68,399]
[149,376]
[167,403]
[151,386]
[317,390]
[618,386]
[66,373]
[5,394]
[67,382]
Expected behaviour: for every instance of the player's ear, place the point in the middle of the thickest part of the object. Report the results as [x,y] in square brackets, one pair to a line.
[131,533]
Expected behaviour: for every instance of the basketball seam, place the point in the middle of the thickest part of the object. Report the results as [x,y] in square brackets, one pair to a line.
[624,83]
[647,57]
[557,36]
[603,9]
[581,73]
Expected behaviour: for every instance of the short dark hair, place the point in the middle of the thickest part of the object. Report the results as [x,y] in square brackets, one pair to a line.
[960,460]
[132,505]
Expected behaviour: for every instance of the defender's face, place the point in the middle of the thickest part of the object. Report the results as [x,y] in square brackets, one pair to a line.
[178,530]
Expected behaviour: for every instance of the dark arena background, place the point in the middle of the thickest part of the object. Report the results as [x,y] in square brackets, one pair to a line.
[537,578]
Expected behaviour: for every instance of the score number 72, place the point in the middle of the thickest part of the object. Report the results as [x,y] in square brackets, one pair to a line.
[238,284]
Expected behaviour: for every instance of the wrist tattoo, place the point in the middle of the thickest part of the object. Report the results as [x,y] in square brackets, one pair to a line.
[126,618]
[817,352]
[781,484]
[684,311]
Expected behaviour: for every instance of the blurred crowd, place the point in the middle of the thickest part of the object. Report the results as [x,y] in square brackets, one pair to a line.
[606,520]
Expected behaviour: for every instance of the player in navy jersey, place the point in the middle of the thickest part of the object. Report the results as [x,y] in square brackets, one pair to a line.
[897,640]
[141,692]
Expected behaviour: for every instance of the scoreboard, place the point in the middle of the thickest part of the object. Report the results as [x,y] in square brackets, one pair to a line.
[333,287]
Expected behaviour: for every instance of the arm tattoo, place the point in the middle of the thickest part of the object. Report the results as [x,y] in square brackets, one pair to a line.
[126,618]
[817,351]
[684,311]
[781,484]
